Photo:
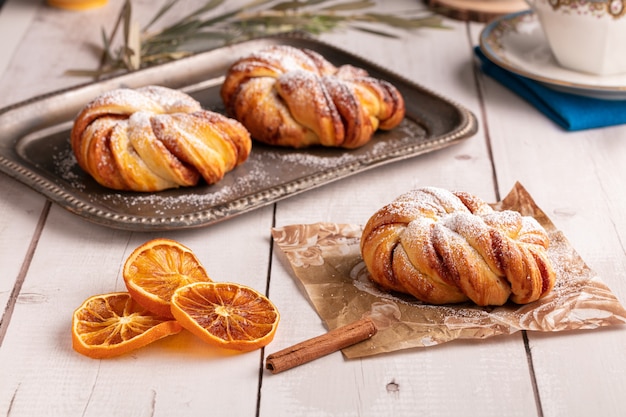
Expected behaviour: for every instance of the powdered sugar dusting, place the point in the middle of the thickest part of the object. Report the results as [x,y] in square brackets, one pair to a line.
[446,247]
[197,199]
[266,169]
[166,142]
[269,174]
[286,58]
[131,100]
[65,164]
[318,103]
[171,100]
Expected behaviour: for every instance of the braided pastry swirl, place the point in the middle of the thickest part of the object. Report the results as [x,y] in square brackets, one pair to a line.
[154,138]
[449,247]
[294,97]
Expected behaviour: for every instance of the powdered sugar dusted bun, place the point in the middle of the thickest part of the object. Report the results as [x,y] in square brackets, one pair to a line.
[294,97]
[154,138]
[449,247]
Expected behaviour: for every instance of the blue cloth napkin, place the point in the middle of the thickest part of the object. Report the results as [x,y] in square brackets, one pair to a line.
[570,111]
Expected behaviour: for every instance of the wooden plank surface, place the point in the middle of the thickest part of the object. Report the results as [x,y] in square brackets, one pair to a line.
[577,179]
[58,259]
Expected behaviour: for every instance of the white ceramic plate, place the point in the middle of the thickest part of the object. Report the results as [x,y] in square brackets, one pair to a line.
[517,43]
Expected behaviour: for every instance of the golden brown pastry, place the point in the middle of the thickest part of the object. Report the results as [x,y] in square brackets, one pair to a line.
[154,138]
[294,97]
[449,247]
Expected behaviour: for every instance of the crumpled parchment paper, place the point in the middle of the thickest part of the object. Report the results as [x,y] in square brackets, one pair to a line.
[326,259]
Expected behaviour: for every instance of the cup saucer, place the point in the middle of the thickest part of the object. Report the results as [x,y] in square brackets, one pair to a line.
[516,42]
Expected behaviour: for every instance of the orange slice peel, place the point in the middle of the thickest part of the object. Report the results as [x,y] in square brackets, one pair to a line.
[226,315]
[168,290]
[156,269]
[113,324]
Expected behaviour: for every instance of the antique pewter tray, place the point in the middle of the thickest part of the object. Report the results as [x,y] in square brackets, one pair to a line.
[34,145]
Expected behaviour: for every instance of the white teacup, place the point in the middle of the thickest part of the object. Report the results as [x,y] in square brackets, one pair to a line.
[585,35]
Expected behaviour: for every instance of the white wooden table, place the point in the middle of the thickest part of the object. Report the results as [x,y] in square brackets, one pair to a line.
[51,260]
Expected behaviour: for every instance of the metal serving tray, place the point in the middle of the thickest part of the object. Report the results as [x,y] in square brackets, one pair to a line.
[34,145]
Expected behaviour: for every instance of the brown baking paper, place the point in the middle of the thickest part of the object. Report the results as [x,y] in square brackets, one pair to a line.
[326,259]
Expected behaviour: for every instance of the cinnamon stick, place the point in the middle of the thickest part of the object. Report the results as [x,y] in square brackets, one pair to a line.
[322,345]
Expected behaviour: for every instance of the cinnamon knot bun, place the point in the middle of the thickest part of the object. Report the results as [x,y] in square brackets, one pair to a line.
[154,138]
[448,247]
[294,97]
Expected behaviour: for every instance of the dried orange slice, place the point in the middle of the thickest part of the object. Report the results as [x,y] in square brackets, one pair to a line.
[156,269]
[112,324]
[227,315]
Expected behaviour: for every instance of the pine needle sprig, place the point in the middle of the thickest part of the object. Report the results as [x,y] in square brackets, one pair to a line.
[205,28]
